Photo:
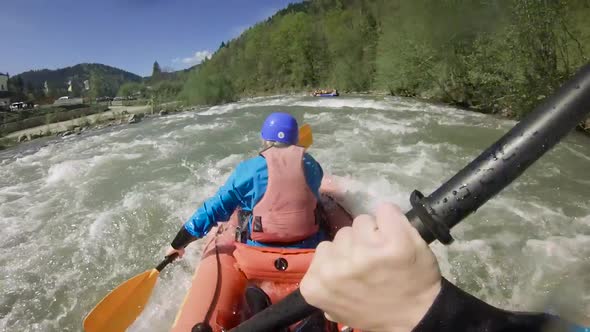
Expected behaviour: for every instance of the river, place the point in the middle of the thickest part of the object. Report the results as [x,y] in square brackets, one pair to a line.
[80,215]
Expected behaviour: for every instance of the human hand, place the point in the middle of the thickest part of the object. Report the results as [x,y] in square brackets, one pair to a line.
[378,275]
[171,251]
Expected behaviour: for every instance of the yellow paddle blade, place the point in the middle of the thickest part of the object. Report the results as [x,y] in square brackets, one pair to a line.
[305,136]
[119,309]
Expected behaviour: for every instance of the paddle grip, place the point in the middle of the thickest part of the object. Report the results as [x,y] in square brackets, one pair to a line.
[166,261]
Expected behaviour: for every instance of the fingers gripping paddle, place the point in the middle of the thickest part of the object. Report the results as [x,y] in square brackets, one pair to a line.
[119,309]
[473,186]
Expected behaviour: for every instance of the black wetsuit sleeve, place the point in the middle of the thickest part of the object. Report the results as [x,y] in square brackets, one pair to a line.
[457,311]
[182,239]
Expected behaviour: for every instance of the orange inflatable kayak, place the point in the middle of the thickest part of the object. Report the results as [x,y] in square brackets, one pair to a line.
[228,267]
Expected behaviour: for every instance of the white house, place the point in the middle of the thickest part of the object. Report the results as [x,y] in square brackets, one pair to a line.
[4,94]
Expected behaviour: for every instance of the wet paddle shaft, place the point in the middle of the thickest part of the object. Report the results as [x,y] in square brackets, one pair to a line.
[470,188]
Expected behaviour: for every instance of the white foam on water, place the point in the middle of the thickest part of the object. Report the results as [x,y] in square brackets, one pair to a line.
[319,118]
[179,118]
[67,170]
[276,101]
[378,122]
[153,148]
[576,153]
[203,127]
[14,192]
[230,161]
[70,170]
[346,102]
[133,200]
[219,110]
[98,223]
[51,205]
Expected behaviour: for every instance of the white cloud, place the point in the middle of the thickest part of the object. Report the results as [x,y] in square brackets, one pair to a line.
[195,59]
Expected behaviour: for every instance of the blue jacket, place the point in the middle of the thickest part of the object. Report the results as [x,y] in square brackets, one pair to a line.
[244,188]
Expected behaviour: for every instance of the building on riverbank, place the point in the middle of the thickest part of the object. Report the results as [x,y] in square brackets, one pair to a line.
[4,94]
[3,82]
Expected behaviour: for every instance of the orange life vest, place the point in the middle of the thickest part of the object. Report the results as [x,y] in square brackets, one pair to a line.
[286,212]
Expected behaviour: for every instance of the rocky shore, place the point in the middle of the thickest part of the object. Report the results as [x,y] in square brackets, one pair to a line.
[117,116]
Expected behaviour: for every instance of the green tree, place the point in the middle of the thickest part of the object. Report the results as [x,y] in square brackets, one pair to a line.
[156,71]
[207,86]
[167,90]
[132,89]
[100,86]
[17,86]
[491,56]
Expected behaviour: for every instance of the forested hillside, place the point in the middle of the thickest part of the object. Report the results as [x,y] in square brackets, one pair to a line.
[493,56]
[102,81]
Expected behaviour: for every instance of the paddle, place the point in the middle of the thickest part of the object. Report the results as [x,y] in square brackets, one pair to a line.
[470,188]
[305,136]
[119,309]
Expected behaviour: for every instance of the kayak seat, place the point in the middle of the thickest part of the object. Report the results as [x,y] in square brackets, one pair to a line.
[256,301]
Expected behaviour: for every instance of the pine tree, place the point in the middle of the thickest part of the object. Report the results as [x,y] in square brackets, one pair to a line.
[156,72]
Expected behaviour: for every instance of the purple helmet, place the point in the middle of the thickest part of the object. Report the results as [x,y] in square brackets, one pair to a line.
[280,127]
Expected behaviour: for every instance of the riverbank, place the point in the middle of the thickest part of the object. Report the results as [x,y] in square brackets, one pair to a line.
[583,127]
[117,115]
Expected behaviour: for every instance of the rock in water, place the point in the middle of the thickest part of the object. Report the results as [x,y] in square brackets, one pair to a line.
[134,118]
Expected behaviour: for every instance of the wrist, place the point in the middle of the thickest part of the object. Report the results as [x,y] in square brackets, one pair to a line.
[420,308]
[426,301]
[443,307]
[182,239]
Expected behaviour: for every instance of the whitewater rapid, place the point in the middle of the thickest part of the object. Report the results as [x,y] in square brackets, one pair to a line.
[80,215]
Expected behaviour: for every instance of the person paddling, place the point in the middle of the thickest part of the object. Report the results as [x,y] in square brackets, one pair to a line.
[279,192]
[278,188]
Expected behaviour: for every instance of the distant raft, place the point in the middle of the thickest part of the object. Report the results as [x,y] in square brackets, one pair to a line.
[334,93]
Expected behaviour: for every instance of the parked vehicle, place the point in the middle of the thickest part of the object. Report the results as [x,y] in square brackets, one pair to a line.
[17,106]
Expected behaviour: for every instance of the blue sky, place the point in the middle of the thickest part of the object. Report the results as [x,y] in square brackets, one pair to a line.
[128,34]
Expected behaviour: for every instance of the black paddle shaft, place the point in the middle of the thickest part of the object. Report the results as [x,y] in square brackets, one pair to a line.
[502,162]
[470,188]
[167,260]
